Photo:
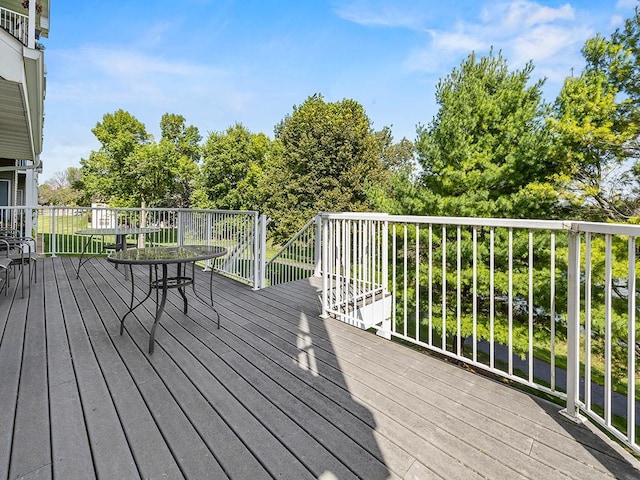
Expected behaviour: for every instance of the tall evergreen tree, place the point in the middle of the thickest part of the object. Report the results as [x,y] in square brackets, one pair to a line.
[486,153]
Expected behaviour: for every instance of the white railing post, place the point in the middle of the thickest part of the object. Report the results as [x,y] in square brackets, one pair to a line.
[572,410]
[52,238]
[318,247]
[385,329]
[259,251]
[325,266]
[208,266]
[180,228]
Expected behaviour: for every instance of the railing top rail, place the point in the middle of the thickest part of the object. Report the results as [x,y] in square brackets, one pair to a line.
[569,225]
[13,12]
[604,228]
[146,209]
[468,221]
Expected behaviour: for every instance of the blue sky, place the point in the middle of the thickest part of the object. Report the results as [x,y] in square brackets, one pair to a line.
[250,61]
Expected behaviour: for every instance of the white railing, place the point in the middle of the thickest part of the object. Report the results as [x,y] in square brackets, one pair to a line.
[57,227]
[15,23]
[547,304]
[297,259]
[20,219]
[542,303]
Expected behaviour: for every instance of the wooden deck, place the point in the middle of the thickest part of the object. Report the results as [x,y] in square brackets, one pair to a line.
[277,392]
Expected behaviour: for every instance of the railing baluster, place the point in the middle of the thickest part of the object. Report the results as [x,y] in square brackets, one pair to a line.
[510,300]
[552,310]
[587,321]
[444,288]
[530,268]
[458,335]
[404,279]
[607,329]
[631,341]
[417,282]
[492,297]
[475,295]
[430,284]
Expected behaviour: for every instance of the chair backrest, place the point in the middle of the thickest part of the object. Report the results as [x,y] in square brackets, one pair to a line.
[9,232]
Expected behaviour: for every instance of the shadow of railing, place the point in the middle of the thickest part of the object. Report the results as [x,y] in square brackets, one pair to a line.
[605,455]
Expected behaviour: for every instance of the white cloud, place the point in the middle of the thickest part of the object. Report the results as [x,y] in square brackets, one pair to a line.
[115,75]
[408,14]
[523,30]
[66,152]
[457,41]
[546,43]
[131,64]
[627,4]
[522,13]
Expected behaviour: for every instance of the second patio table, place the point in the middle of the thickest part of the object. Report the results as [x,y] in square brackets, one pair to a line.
[121,239]
[156,257]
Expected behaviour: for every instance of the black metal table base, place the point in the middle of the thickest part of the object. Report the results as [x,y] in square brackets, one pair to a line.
[163,284]
[121,244]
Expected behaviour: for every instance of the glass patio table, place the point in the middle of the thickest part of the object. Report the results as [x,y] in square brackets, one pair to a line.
[155,257]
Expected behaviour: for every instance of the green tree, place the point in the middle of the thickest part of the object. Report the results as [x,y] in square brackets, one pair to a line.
[233,164]
[182,146]
[591,139]
[61,188]
[131,170]
[597,121]
[107,175]
[486,153]
[396,191]
[330,157]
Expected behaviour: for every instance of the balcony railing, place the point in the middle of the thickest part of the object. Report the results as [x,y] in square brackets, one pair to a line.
[550,305]
[16,24]
[235,230]
[297,259]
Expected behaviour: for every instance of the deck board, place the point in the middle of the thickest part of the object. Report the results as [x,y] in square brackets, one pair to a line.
[11,352]
[153,456]
[276,392]
[31,453]
[107,438]
[71,452]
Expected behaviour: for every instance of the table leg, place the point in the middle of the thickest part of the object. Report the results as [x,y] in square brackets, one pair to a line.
[131,307]
[197,295]
[181,289]
[84,249]
[121,244]
[211,296]
[159,308]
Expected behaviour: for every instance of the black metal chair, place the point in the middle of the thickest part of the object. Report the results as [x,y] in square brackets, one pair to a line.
[21,251]
[5,265]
